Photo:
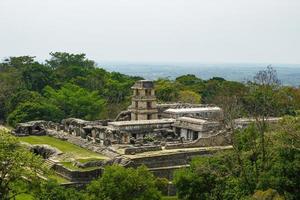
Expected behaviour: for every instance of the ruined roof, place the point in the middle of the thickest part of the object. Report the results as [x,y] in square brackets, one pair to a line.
[194,124]
[31,123]
[143,84]
[193,110]
[192,120]
[74,120]
[177,105]
[141,122]
[166,152]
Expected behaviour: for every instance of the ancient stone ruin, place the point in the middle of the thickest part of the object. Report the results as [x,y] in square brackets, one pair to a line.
[164,137]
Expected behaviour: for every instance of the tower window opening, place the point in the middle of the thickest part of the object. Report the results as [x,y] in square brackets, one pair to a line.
[148,105]
[148,92]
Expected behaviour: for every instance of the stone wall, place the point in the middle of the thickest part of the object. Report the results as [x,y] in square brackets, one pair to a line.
[166,172]
[77,176]
[221,139]
[144,126]
[45,151]
[169,160]
[141,149]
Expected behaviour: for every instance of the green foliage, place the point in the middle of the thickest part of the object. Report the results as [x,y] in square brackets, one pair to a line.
[238,174]
[119,183]
[22,96]
[76,101]
[191,82]
[17,166]
[216,88]
[22,80]
[269,194]
[63,59]
[10,82]
[36,76]
[166,91]
[23,75]
[51,190]
[162,185]
[187,96]
[207,178]
[17,62]
[34,111]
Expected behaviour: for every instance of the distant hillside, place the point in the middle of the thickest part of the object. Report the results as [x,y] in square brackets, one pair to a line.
[289,74]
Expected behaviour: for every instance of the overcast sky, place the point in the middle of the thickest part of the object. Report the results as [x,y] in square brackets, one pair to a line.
[154,30]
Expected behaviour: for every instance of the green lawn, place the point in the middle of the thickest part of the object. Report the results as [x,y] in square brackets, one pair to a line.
[88,160]
[64,146]
[70,165]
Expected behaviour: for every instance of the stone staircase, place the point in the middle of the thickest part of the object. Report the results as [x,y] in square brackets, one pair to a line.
[48,164]
[120,160]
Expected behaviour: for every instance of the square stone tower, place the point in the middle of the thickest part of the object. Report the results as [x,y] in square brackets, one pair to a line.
[143,105]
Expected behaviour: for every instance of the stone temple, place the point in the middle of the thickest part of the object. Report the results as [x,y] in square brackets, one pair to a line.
[164,137]
[146,120]
[143,105]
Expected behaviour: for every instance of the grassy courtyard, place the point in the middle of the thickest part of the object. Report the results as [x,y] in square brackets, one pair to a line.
[71,150]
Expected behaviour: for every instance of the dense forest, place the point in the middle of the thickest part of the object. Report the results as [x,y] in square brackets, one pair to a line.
[66,85]
[71,85]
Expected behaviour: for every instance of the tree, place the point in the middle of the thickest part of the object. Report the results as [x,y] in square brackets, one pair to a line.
[203,179]
[187,96]
[30,111]
[211,89]
[269,194]
[16,62]
[120,183]
[283,167]
[75,101]
[166,90]
[36,76]
[18,168]
[261,102]
[238,174]
[22,96]
[117,87]
[63,59]
[288,100]
[51,190]
[190,82]
[23,75]
[10,82]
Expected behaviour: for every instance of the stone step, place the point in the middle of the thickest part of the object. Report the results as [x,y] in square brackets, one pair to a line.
[48,164]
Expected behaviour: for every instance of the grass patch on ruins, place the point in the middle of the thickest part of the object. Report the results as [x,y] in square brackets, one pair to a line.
[169,198]
[64,146]
[70,166]
[88,160]
[58,178]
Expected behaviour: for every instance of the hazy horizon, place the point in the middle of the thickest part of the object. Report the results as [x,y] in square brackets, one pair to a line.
[289,74]
[194,31]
